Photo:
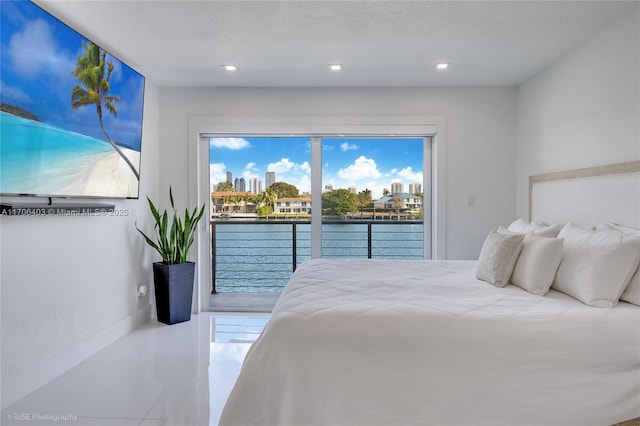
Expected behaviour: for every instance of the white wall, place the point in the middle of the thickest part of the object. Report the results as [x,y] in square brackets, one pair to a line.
[68,284]
[583,111]
[480,145]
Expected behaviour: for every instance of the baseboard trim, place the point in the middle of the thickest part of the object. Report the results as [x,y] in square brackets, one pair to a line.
[19,386]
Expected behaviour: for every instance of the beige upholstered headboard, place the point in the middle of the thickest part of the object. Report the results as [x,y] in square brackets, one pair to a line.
[587,196]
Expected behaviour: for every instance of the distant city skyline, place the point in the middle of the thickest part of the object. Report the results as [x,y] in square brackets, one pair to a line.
[363,163]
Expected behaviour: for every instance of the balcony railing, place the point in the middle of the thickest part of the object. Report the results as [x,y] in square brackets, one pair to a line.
[260,256]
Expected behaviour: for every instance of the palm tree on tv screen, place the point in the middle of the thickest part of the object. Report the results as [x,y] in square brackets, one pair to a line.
[94,72]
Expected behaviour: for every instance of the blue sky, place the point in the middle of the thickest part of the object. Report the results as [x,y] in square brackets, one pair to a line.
[365,163]
[38,55]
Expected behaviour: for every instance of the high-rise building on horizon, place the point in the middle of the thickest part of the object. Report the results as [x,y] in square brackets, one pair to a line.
[229,177]
[255,185]
[240,185]
[415,188]
[269,179]
[353,189]
[397,187]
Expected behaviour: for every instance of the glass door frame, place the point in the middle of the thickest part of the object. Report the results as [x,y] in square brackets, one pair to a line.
[201,128]
[316,189]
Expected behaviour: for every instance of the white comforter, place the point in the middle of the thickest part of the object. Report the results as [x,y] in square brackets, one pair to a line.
[376,342]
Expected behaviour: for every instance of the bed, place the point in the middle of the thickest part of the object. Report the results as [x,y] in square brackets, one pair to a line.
[380,342]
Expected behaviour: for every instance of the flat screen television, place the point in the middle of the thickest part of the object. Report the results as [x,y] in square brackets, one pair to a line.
[71,113]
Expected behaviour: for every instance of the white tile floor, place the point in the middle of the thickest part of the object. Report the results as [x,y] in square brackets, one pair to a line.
[156,375]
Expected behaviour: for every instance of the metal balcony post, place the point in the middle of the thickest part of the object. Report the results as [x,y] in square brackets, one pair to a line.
[293,245]
[369,240]
[213,258]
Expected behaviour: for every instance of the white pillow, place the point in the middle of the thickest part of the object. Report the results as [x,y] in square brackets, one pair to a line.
[498,257]
[596,265]
[632,292]
[521,226]
[537,264]
[544,230]
[503,230]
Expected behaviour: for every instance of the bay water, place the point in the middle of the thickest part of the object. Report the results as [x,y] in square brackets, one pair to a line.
[259,257]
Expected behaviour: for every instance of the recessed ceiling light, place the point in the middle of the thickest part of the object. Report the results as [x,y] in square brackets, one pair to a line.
[230,67]
[335,67]
[442,65]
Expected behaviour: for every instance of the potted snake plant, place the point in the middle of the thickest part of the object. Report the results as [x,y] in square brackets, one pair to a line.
[173,276]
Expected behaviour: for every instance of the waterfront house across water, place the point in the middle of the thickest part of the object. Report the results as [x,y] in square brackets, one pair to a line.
[292,205]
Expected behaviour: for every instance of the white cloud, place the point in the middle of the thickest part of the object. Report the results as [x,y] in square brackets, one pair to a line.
[229,143]
[247,175]
[374,186]
[217,173]
[35,54]
[362,168]
[287,166]
[297,174]
[407,174]
[250,171]
[33,49]
[346,146]
[305,167]
[303,184]
[14,95]
[364,174]
[251,166]
[376,189]
[282,166]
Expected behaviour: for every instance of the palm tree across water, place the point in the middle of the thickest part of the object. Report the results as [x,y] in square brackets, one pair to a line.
[94,72]
[269,197]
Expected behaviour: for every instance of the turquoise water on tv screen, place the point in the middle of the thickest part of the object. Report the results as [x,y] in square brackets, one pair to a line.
[36,158]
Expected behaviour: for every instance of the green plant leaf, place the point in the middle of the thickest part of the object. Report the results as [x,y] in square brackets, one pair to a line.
[173,240]
[150,241]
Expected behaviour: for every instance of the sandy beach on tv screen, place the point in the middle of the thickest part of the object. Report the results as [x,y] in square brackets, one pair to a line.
[111,176]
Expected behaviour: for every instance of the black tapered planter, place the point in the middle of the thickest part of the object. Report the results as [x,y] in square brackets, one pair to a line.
[174,291]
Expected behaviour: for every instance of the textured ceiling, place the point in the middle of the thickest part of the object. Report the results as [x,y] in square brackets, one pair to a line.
[380,43]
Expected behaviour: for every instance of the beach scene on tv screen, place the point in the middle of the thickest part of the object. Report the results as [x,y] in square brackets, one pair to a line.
[71,113]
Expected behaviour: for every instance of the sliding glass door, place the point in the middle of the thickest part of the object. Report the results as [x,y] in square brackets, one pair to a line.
[374,202]
[372,199]
[260,211]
